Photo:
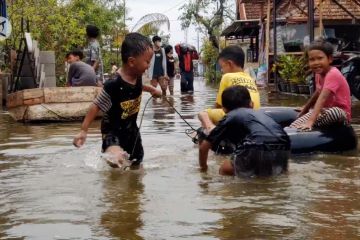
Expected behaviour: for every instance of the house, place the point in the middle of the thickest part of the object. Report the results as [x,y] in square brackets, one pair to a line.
[337,19]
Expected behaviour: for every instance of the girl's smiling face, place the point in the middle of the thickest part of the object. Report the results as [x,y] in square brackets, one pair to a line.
[319,62]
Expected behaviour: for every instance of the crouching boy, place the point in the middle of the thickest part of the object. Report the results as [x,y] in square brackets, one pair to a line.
[262,146]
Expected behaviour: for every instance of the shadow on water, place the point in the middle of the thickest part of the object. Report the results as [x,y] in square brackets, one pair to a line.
[50,190]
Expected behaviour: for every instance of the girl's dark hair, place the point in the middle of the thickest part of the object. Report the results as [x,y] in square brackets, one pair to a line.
[235,97]
[134,45]
[233,53]
[92,31]
[321,45]
[168,48]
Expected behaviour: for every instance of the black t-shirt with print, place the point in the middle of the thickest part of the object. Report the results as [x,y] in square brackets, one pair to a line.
[245,126]
[120,103]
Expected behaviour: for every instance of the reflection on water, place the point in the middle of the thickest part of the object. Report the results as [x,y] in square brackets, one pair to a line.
[123,217]
[50,190]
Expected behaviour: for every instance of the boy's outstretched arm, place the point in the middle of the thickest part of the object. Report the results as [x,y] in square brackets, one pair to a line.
[204,148]
[153,91]
[80,139]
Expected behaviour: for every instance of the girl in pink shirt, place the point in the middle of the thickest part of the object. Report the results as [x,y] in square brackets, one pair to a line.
[331,102]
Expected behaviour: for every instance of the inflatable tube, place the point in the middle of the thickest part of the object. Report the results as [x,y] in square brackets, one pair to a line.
[334,139]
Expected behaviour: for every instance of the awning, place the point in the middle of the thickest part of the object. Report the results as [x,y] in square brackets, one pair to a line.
[242,28]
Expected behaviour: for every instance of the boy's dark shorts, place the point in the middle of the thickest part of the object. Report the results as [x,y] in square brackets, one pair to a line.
[261,160]
[125,140]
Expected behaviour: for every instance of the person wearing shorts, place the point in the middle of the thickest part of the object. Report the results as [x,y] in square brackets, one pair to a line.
[262,147]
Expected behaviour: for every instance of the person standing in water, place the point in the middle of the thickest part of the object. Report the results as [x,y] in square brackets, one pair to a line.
[186,54]
[170,64]
[157,71]
[120,101]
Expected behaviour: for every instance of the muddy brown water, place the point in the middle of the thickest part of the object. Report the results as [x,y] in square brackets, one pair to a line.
[50,190]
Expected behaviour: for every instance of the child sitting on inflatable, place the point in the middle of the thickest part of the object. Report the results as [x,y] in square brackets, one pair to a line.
[262,146]
[331,102]
[231,61]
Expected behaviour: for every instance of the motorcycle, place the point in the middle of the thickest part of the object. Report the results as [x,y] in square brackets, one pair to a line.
[350,68]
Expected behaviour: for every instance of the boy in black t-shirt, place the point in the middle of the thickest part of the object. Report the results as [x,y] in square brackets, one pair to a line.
[262,146]
[120,102]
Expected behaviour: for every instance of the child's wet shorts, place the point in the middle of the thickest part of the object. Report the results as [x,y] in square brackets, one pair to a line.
[126,140]
[261,160]
[215,114]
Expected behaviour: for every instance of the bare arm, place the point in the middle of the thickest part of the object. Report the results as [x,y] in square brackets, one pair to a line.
[80,139]
[310,103]
[153,91]
[206,122]
[324,95]
[217,105]
[204,148]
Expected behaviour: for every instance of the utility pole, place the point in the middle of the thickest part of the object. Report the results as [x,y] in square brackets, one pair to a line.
[311,19]
[198,39]
[124,16]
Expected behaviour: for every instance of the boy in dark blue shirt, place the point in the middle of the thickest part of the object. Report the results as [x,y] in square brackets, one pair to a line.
[262,146]
[120,102]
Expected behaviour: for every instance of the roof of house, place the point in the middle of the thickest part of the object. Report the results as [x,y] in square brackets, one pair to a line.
[297,9]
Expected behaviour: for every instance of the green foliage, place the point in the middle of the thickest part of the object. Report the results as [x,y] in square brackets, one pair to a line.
[209,58]
[291,68]
[59,25]
[209,15]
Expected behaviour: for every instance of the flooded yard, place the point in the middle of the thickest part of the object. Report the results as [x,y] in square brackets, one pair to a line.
[50,190]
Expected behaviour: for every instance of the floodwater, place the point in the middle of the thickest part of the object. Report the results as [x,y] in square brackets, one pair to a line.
[50,190]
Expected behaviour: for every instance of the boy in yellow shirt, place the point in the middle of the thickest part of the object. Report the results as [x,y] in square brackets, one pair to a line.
[231,60]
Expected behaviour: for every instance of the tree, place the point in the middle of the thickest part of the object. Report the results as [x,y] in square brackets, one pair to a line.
[149,25]
[209,15]
[59,25]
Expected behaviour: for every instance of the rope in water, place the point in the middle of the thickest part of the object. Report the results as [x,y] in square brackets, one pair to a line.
[188,132]
[141,120]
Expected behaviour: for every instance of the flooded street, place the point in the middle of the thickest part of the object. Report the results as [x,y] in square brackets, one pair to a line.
[50,190]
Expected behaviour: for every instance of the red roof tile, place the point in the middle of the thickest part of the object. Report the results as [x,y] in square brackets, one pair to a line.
[297,9]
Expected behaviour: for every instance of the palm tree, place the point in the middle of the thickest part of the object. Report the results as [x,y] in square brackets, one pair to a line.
[150,24]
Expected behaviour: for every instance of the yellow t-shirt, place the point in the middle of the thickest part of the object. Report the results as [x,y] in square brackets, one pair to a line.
[239,79]
[234,79]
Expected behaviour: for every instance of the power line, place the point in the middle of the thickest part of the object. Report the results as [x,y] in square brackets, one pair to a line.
[177,5]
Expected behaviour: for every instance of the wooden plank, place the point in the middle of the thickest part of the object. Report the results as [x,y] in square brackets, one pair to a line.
[70,94]
[14,99]
[33,93]
[33,101]
[18,113]
[57,112]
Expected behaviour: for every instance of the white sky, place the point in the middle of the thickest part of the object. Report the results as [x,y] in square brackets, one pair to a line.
[139,8]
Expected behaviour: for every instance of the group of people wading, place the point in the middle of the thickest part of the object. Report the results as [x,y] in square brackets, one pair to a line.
[262,146]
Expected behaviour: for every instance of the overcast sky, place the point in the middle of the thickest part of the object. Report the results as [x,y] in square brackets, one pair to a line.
[139,8]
